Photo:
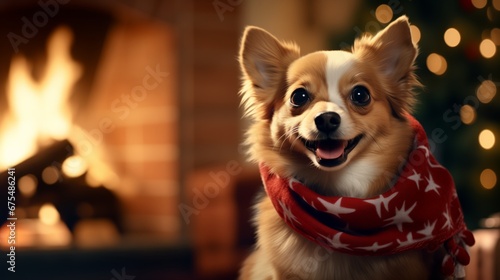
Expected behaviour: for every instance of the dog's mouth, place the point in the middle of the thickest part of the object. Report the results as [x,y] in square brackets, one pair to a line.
[331,152]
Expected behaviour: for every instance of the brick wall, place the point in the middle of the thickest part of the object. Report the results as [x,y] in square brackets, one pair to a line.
[136,90]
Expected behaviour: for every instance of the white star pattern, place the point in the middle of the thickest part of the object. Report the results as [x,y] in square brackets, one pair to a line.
[428,229]
[335,208]
[335,242]
[375,247]
[416,177]
[409,241]
[401,216]
[428,159]
[447,224]
[290,183]
[377,202]
[287,213]
[431,186]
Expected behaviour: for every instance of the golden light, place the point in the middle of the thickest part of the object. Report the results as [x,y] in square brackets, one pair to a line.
[74,166]
[486,139]
[495,35]
[487,48]
[467,114]
[384,13]
[452,37]
[486,91]
[38,110]
[27,185]
[436,64]
[479,3]
[488,179]
[48,214]
[50,175]
[415,34]
[496,4]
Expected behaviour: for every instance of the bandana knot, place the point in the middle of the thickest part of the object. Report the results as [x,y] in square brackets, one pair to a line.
[420,211]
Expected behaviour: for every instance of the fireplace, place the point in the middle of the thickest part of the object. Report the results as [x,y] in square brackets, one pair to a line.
[108,110]
[89,122]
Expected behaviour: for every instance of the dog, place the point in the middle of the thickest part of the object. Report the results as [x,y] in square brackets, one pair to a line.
[338,124]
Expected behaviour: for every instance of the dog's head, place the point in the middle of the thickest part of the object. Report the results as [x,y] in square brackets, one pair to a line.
[328,109]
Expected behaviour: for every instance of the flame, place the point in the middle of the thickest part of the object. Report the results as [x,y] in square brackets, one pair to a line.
[39,111]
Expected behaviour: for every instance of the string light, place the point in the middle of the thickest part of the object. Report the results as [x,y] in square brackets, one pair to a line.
[48,214]
[452,37]
[479,4]
[495,35]
[488,179]
[467,114]
[486,139]
[415,34]
[487,48]
[384,13]
[486,91]
[436,64]
[27,185]
[50,175]
[496,4]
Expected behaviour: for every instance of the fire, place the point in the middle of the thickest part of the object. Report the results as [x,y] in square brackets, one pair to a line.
[38,111]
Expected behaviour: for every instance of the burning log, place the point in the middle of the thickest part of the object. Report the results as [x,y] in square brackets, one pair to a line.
[73,198]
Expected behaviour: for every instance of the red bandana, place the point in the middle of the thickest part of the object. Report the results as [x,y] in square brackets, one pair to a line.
[421,210]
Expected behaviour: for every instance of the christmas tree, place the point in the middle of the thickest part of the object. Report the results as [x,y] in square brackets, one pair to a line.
[458,64]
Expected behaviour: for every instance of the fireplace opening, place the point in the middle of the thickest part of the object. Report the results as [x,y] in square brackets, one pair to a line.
[89,123]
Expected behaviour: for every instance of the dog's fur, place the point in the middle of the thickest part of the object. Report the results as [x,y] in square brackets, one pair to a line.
[272,70]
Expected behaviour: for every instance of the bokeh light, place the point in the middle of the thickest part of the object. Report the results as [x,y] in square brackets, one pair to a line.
[415,34]
[486,139]
[467,114]
[384,13]
[486,91]
[452,37]
[479,3]
[495,35]
[48,214]
[496,4]
[27,185]
[74,166]
[436,64]
[488,179]
[487,48]
[50,175]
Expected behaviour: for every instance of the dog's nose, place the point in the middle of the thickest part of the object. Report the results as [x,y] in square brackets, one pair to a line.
[327,122]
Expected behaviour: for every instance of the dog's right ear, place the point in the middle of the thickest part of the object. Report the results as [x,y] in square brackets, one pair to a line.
[263,61]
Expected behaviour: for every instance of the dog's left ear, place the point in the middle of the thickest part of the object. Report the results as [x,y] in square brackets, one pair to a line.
[394,53]
[264,61]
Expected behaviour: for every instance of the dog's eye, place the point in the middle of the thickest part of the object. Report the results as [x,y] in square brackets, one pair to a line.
[360,96]
[299,97]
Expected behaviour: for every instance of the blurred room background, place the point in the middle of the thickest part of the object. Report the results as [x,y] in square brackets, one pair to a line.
[121,119]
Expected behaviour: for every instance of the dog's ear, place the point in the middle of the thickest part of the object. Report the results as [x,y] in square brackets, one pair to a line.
[394,53]
[395,48]
[263,61]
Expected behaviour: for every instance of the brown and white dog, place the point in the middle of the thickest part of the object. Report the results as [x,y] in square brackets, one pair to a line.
[336,121]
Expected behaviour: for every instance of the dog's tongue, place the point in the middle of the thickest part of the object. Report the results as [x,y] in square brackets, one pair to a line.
[331,149]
